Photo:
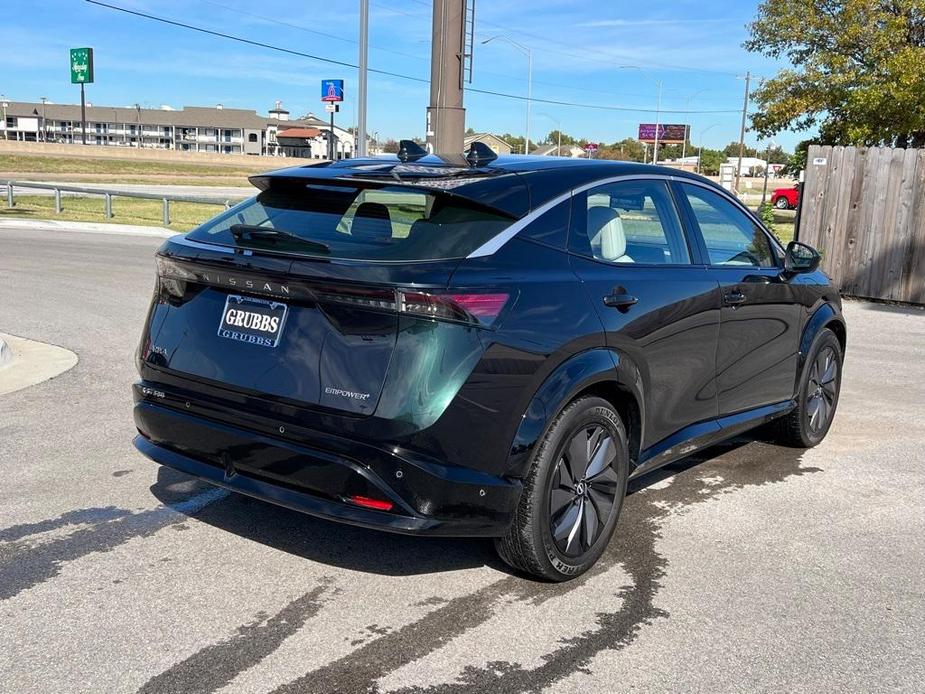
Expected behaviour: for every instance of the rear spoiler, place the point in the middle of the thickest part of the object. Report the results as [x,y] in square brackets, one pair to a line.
[499,191]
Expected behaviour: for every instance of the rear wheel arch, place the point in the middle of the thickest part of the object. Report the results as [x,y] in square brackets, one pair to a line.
[600,372]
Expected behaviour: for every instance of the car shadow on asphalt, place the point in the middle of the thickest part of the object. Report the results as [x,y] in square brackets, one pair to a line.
[743,461]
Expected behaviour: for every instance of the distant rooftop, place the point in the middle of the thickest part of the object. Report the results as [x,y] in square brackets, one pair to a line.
[189,116]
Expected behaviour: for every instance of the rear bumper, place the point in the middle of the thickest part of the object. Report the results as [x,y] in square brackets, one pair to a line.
[303,474]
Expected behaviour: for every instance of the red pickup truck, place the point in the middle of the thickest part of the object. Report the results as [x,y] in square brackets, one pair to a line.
[786,198]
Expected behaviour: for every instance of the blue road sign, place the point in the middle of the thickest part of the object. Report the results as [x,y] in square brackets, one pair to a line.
[332,90]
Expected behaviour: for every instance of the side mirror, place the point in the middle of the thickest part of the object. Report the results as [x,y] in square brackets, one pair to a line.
[801,258]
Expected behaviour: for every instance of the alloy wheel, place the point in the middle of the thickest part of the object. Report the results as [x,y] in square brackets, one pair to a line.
[583,491]
[822,390]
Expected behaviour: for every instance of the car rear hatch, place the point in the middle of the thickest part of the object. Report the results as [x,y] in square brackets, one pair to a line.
[310,291]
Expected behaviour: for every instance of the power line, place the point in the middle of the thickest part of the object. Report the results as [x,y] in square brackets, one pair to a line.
[602,107]
[299,27]
[250,42]
[571,48]
[342,63]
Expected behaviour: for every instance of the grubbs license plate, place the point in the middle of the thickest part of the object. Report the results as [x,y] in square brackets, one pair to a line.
[255,321]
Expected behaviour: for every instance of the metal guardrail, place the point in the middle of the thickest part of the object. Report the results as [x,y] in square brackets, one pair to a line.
[108,194]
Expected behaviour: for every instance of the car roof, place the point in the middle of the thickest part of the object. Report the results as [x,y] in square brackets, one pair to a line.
[512,184]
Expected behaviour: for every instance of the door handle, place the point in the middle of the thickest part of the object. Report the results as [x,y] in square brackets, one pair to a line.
[620,301]
[734,298]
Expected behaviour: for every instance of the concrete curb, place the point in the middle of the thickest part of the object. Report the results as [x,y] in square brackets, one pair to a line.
[32,362]
[6,354]
[85,227]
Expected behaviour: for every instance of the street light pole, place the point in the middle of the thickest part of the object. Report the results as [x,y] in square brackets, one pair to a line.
[658,106]
[767,168]
[44,128]
[687,128]
[526,50]
[4,103]
[558,132]
[658,115]
[700,147]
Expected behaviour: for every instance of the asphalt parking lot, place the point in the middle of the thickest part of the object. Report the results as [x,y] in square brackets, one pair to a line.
[750,568]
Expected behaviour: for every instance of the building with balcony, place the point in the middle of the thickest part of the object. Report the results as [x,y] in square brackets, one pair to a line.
[217,130]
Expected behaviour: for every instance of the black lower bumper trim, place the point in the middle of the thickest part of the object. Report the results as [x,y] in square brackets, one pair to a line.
[335,510]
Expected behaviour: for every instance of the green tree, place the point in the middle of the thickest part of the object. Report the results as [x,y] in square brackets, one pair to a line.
[776,155]
[858,70]
[553,138]
[516,142]
[710,159]
[628,149]
[732,150]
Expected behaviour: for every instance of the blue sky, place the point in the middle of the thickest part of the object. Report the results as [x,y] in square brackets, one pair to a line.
[692,46]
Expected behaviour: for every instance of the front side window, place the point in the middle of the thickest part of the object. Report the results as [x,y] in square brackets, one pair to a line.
[731,237]
[631,222]
[391,223]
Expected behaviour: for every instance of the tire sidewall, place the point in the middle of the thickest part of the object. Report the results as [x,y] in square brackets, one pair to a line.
[595,411]
[826,338]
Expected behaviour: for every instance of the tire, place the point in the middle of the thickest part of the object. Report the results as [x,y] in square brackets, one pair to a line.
[817,399]
[562,525]
[782,203]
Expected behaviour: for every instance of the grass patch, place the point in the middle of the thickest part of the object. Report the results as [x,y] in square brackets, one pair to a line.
[183,215]
[91,165]
[783,231]
[99,171]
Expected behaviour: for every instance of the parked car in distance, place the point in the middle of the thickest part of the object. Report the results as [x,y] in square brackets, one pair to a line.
[786,198]
[479,346]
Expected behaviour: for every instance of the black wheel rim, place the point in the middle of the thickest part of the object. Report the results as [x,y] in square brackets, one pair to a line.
[583,491]
[822,390]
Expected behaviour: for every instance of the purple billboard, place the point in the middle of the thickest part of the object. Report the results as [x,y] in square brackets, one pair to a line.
[668,133]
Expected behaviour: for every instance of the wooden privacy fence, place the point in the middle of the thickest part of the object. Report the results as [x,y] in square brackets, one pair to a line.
[864,209]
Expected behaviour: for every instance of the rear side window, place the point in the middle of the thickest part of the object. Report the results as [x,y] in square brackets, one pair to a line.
[631,222]
[731,237]
[383,223]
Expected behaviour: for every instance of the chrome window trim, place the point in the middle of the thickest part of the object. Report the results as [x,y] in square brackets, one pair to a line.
[493,245]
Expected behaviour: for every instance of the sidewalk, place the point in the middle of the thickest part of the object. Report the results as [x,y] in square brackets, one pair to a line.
[85,227]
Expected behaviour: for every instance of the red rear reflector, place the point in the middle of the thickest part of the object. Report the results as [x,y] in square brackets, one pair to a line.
[377,504]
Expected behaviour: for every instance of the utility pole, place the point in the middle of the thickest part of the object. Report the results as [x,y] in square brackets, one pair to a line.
[361,91]
[446,117]
[748,79]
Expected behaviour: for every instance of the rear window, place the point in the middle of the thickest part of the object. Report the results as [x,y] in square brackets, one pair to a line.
[388,223]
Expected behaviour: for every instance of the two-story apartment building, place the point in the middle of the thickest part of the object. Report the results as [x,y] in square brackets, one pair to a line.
[192,129]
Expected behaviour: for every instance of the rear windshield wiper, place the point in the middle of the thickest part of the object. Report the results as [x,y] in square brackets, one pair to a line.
[250,233]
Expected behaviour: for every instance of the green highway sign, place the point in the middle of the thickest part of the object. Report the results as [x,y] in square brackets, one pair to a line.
[81,65]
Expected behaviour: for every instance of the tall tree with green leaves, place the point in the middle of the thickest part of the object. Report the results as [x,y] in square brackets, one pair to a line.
[858,70]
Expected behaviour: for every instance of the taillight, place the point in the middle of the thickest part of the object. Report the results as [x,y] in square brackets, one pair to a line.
[172,276]
[479,308]
[472,308]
